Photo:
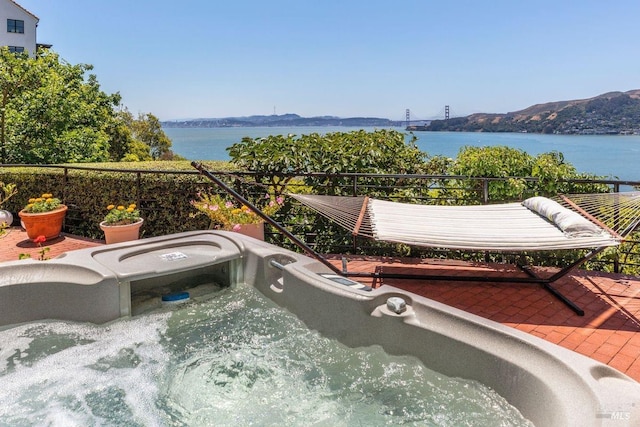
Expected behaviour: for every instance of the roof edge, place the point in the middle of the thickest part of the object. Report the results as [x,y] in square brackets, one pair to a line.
[25,10]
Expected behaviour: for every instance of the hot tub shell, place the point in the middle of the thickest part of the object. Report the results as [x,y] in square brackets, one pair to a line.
[550,385]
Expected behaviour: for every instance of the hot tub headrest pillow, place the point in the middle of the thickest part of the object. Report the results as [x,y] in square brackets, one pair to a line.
[566,220]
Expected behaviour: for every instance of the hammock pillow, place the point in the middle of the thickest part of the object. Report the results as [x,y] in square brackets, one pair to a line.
[566,220]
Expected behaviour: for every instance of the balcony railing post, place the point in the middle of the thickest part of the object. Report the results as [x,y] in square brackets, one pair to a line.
[616,218]
[138,190]
[65,181]
[485,191]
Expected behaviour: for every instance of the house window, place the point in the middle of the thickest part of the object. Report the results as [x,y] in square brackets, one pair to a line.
[16,49]
[15,26]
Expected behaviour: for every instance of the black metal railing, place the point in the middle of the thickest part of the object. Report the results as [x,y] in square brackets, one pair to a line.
[434,189]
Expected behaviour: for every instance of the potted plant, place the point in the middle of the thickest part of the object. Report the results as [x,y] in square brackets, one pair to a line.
[43,216]
[121,224]
[226,215]
[7,191]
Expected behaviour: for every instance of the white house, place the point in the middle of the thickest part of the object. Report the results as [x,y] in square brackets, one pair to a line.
[17,27]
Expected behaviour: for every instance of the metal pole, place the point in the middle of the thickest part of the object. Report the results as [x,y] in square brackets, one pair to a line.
[299,243]
[485,191]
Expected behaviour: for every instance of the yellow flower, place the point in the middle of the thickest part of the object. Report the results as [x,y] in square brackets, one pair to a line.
[122,214]
[244,208]
[45,203]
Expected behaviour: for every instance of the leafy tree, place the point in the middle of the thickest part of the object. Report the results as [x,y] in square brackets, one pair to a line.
[147,129]
[493,162]
[438,165]
[550,169]
[123,146]
[381,151]
[16,77]
[59,116]
[50,112]
[138,152]
[120,138]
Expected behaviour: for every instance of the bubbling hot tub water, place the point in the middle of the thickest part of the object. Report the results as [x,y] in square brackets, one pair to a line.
[232,358]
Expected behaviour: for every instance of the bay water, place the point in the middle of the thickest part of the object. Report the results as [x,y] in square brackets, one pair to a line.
[611,156]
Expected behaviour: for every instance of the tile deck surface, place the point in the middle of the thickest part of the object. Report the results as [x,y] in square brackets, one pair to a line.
[608,332]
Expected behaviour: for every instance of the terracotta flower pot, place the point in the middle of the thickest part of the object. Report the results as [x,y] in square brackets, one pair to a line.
[47,224]
[121,233]
[252,230]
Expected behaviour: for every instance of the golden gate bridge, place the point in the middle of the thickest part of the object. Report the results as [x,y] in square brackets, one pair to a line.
[410,120]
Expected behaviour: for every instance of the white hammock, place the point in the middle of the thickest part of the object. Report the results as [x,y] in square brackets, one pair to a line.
[502,227]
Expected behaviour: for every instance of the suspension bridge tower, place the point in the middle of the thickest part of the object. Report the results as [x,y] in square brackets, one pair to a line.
[407,116]
[446,112]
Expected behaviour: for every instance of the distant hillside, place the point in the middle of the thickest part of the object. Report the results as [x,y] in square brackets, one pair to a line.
[286,120]
[609,113]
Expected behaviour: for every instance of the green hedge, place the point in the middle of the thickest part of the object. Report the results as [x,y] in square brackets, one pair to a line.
[163,198]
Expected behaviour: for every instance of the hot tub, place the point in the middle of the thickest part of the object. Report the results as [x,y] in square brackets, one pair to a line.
[548,384]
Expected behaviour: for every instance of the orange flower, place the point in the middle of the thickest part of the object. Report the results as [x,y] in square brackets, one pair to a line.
[44,203]
[121,215]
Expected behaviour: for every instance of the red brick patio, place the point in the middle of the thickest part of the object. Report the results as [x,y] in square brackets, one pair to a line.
[609,331]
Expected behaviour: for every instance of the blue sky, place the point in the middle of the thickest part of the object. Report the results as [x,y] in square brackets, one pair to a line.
[208,58]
